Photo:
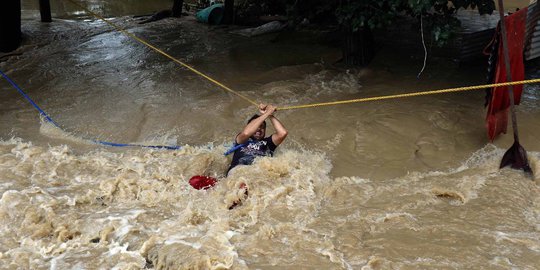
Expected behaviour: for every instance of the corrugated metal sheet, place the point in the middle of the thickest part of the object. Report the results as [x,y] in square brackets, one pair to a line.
[474,41]
[532,39]
[473,44]
[477,32]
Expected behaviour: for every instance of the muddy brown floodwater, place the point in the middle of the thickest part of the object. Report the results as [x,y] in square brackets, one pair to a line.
[398,184]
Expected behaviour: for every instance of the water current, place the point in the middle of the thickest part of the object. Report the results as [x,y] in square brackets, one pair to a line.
[398,184]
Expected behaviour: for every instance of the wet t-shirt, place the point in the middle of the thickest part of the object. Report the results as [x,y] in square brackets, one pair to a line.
[252,149]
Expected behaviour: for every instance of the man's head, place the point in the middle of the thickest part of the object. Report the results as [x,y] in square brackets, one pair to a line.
[261,130]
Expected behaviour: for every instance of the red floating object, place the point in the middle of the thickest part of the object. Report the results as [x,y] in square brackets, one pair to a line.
[202,182]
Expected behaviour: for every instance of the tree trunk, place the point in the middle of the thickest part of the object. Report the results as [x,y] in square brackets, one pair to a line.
[358,47]
[10,25]
[177,8]
[45,10]
[228,16]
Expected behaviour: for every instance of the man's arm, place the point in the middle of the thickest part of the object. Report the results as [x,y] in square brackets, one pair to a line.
[281,132]
[251,128]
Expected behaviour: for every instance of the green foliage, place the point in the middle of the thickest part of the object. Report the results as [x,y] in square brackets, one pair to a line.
[354,15]
[372,14]
[484,7]
[320,11]
[437,15]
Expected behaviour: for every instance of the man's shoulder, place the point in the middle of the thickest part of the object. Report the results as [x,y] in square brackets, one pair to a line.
[270,142]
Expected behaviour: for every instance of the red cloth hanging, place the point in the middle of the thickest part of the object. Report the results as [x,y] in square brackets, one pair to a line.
[497,113]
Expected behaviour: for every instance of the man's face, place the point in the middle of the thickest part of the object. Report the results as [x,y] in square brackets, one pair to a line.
[259,134]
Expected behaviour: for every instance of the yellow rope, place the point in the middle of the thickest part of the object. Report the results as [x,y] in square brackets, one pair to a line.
[414,94]
[449,90]
[165,54]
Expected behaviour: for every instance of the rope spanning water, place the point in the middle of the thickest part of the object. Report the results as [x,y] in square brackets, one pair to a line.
[414,94]
[312,105]
[50,120]
[41,112]
[140,40]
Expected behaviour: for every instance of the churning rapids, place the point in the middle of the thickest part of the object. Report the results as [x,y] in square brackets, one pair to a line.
[398,184]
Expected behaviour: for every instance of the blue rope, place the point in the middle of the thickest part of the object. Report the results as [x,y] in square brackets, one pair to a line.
[41,112]
[49,119]
[169,147]
[234,148]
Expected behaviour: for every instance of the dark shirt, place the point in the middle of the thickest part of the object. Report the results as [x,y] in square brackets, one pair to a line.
[252,149]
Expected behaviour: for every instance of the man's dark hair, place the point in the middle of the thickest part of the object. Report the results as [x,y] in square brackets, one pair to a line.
[255,117]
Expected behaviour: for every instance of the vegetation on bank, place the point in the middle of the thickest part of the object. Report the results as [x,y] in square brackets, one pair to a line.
[358,18]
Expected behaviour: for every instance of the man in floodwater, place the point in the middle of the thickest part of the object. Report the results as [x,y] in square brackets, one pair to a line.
[251,142]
